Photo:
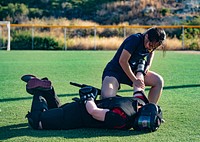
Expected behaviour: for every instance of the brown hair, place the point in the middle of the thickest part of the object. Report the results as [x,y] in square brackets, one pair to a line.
[156,34]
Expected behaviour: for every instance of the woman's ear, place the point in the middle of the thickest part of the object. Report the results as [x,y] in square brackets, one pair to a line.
[146,38]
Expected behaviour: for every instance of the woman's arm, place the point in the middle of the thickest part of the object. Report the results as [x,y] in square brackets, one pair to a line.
[97,113]
[123,61]
[149,61]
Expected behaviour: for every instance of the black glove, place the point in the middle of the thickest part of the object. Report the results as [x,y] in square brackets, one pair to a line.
[88,93]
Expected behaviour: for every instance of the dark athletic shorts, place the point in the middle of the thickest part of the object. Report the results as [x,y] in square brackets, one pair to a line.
[119,74]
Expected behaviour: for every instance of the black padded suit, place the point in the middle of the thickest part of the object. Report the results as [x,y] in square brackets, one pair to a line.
[73,115]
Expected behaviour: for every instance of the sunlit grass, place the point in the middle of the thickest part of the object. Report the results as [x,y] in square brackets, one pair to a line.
[179,100]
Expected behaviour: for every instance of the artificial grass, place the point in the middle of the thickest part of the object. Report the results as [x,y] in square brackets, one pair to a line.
[179,101]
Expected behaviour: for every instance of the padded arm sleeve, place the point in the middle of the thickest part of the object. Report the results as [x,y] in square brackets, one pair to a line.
[141,66]
[114,120]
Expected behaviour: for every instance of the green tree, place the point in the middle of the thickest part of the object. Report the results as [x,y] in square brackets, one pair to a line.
[17,12]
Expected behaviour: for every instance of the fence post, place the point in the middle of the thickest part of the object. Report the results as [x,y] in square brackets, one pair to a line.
[1,29]
[32,38]
[183,37]
[95,34]
[65,40]
[124,28]
[8,46]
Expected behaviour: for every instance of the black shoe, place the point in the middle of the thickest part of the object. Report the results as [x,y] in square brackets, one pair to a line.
[45,78]
[27,77]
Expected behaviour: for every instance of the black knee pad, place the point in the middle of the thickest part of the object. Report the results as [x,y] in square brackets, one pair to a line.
[52,119]
[34,119]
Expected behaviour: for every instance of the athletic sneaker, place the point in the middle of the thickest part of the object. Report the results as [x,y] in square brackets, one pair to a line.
[39,84]
[27,77]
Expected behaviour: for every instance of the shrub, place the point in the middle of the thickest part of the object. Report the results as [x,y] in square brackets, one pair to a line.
[3,44]
[165,11]
[194,46]
[35,12]
[23,41]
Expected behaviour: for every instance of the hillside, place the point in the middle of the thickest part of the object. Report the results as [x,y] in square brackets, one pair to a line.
[104,12]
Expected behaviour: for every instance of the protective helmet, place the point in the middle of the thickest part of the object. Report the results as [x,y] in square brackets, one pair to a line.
[148,118]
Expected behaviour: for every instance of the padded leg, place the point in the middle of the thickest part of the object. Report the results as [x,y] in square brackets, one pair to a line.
[52,119]
[38,106]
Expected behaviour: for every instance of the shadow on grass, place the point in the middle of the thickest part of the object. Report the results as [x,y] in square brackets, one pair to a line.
[19,130]
[168,87]
[30,97]
[76,94]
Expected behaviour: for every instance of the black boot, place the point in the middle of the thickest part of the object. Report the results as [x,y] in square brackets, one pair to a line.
[39,105]
[44,88]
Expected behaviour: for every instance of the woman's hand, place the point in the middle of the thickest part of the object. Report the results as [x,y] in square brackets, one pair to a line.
[147,69]
[139,83]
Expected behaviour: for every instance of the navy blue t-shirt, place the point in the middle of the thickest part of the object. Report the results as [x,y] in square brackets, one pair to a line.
[134,44]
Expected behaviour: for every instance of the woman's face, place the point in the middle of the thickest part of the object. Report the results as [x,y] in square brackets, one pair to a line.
[150,46]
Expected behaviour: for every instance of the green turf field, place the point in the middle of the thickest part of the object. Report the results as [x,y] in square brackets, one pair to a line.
[180,99]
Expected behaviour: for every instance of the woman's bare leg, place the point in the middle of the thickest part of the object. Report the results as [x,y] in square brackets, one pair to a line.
[156,82]
[109,88]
